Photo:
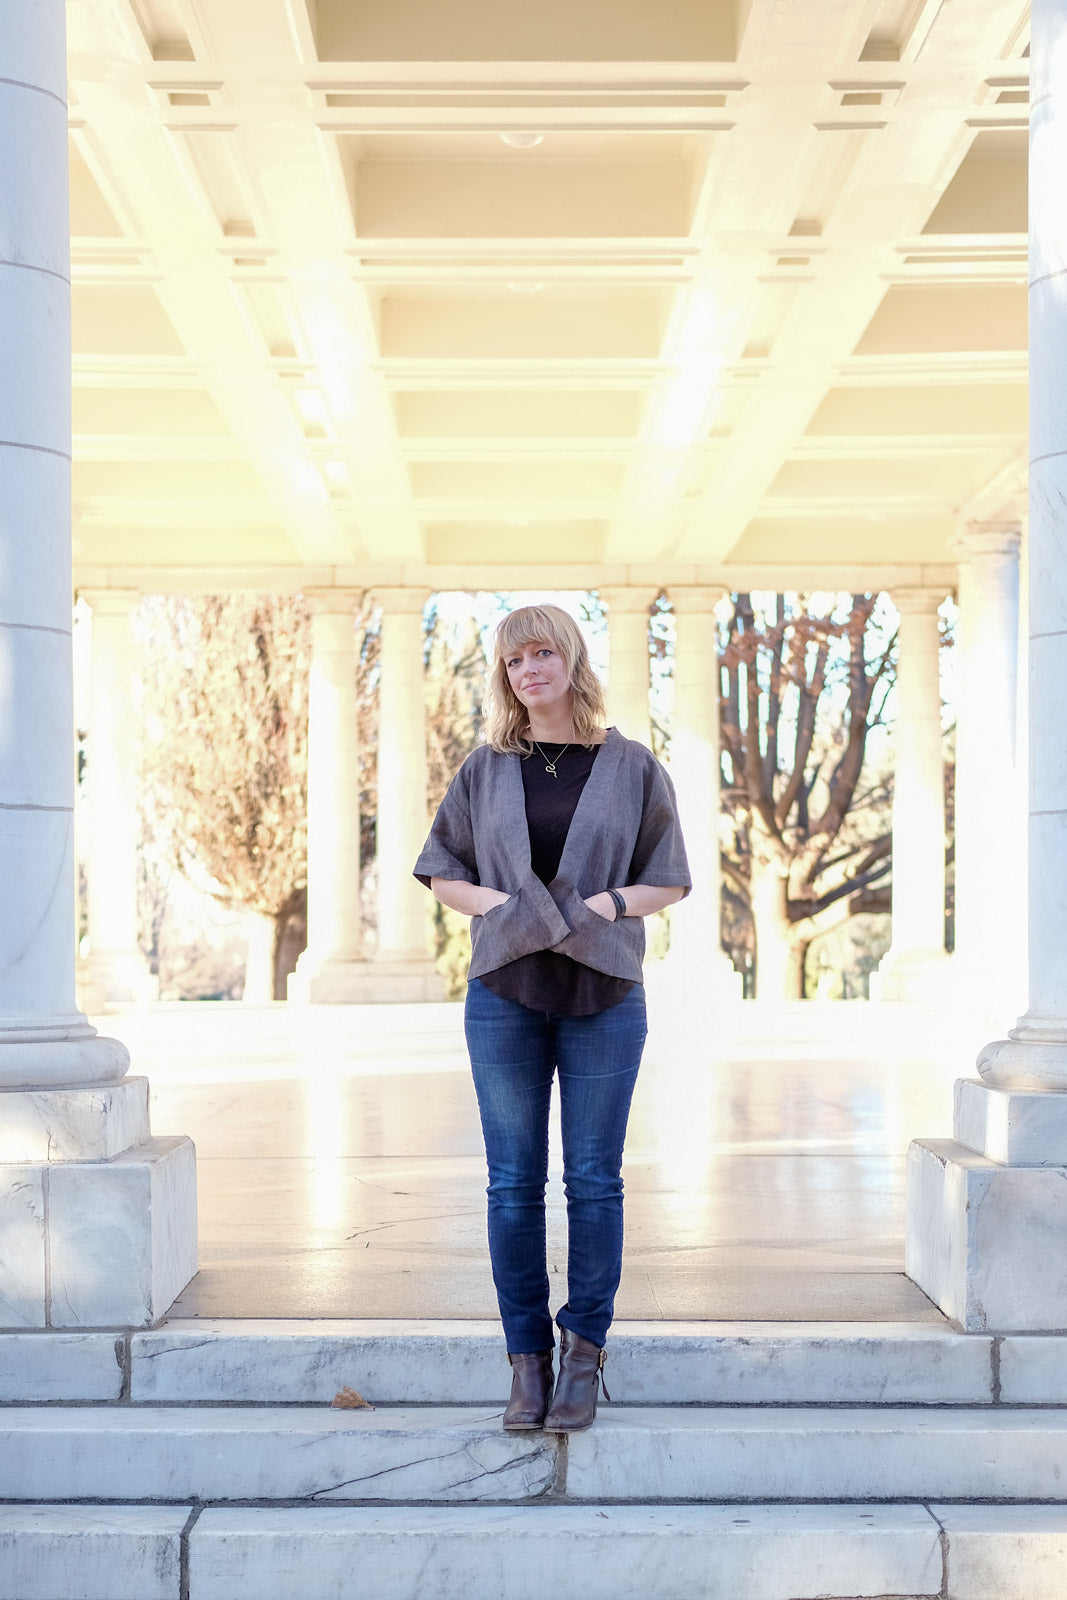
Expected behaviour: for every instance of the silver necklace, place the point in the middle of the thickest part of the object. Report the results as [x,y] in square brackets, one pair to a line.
[550,766]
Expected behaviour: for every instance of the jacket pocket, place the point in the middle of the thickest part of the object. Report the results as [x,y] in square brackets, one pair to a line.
[527,921]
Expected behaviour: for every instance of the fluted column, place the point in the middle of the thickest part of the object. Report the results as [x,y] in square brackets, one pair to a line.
[86,1240]
[915,966]
[333,967]
[117,969]
[628,662]
[988,854]
[403,959]
[695,767]
[987,1212]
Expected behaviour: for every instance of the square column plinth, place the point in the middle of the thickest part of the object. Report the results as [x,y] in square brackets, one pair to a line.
[987,1212]
[97,1218]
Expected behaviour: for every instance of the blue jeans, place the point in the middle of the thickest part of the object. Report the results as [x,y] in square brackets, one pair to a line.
[514,1053]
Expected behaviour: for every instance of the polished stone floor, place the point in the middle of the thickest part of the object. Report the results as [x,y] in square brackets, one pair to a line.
[341,1171]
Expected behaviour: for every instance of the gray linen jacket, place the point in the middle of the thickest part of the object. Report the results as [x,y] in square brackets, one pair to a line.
[624,830]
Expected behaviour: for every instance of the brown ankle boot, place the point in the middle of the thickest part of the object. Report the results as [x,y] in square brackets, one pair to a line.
[574,1404]
[531,1389]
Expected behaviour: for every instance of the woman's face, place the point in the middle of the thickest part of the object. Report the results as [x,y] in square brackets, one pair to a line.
[538,676]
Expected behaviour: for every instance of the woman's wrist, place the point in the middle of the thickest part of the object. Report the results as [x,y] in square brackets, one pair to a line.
[618,902]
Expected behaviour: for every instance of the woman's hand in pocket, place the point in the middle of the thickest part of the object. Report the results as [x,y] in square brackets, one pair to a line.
[602,905]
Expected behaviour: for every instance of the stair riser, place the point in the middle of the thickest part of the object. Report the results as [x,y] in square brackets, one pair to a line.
[754,1366]
[537,1553]
[459,1456]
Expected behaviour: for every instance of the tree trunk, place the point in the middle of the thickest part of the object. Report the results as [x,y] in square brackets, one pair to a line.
[779,953]
[259,967]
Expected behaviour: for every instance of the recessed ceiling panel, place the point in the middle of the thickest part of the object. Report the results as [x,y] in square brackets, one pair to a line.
[528,544]
[492,414]
[90,215]
[146,411]
[501,480]
[610,324]
[848,540]
[988,193]
[917,318]
[526,30]
[512,194]
[932,409]
[937,478]
[122,319]
[165,480]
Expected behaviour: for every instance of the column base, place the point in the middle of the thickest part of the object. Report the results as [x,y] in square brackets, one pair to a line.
[116,977]
[98,1218]
[987,1212]
[920,978]
[376,982]
[1030,1058]
[709,973]
[65,1052]
[987,1243]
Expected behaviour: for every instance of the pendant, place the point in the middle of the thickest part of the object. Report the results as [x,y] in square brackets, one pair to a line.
[551,768]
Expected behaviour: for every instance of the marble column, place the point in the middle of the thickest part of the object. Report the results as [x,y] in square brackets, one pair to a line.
[628,660]
[333,967]
[987,1210]
[696,952]
[117,969]
[98,1220]
[988,913]
[915,966]
[404,967]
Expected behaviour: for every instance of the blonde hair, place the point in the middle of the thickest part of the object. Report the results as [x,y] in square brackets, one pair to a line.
[507,721]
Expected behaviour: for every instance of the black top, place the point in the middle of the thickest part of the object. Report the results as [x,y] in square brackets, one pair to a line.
[547,981]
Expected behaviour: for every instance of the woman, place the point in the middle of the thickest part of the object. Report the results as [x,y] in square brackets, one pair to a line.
[556,838]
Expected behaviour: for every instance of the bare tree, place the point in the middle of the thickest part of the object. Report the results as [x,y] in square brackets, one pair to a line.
[225,692]
[802,686]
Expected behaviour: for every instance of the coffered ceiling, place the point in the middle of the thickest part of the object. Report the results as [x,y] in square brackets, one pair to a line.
[642,287]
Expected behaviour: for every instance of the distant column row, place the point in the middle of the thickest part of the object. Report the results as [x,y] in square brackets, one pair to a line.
[336,967]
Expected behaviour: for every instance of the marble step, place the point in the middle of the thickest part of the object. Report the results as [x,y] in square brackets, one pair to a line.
[442,1363]
[57,1552]
[721,1552]
[461,1454]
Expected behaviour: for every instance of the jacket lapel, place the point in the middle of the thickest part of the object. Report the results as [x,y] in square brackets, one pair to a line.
[593,805]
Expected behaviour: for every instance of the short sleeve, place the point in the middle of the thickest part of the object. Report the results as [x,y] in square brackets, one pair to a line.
[449,848]
[659,856]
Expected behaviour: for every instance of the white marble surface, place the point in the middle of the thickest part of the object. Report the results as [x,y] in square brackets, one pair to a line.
[1014,1128]
[91,1124]
[122,1235]
[560,1552]
[35,215]
[986,1242]
[22,1273]
[59,1366]
[1005,1552]
[1033,1369]
[36,410]
[55,1552]
[798,1452]
[236,1453]
[664,1363]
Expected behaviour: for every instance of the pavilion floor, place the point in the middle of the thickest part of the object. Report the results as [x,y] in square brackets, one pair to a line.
[341,1172]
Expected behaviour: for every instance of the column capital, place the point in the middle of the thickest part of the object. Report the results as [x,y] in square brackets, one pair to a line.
[917,602]
[627,599]
[334,601]
[697,599]
[986,539]
[110,602]
[400,600]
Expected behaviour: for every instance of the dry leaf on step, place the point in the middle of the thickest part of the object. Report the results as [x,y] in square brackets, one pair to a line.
[349,1400]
